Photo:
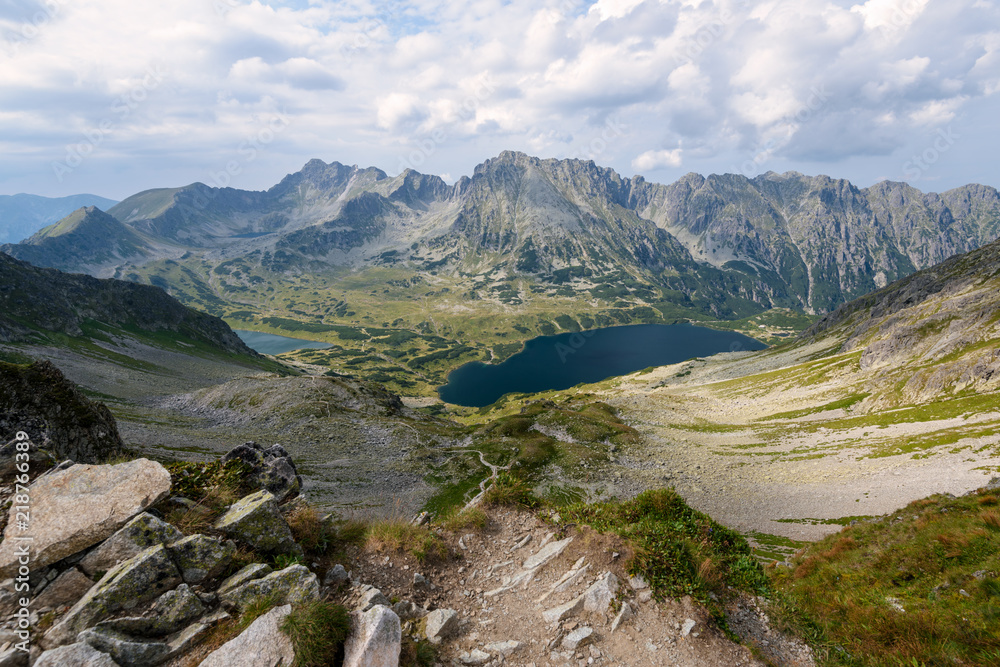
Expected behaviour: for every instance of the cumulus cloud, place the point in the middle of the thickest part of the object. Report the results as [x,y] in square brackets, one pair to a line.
[809,84]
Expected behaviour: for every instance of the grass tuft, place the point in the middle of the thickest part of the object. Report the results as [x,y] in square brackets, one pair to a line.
[468,518]
[317,629]
[510,490]
[400,535]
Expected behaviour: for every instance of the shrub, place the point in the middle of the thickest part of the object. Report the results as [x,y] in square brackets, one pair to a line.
[400,535]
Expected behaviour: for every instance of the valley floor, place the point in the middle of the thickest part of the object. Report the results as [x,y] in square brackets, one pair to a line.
[751,444]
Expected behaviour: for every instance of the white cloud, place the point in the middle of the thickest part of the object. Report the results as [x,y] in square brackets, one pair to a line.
[654,160]
[728,80]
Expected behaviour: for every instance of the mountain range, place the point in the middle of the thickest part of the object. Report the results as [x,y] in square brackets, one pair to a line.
[22,215]
[725,246]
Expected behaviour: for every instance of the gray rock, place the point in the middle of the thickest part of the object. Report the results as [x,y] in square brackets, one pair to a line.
[503,648]
[82,505]
[13,657]
[142,532]
[546,554]
[563,611]
[441,624]
[200,557]
[126,586]
[638,582]
[370,598]
[172,611]
[272,469]
[79,654]
[624,614]
[597,599]
[474,657]
[577,638]
[292,585]
[262,644]
[126,650]
[375,639]
[335,576]
[67,589]
[688,627]
[247,573]
[256,521]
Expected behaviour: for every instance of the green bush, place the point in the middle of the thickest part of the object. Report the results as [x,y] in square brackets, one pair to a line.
[317,630]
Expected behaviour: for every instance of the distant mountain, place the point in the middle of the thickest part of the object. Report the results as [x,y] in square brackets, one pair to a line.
[38,303]
[22,215]
[725,246]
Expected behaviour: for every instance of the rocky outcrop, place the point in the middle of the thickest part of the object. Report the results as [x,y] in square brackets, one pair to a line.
[375,639]
[80,506]
[142,532]
[40,401]
[256,522]
[271,469]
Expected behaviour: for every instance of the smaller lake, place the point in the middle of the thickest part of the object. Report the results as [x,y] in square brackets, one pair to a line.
[266,343]
[559,362]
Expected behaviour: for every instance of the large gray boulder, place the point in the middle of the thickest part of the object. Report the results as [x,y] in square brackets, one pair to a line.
[262,644]
[272,468]
[80,654]
[80,506]
[172,611]
[292,585]
[246,573]
[255,520]
[375,639]
[200,557]
[134,582]
[142,532]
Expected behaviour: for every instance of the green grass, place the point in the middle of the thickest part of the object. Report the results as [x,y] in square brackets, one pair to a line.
[317,629]
[920,558]
[679,550]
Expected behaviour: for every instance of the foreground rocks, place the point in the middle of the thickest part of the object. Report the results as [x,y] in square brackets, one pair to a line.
[77,507]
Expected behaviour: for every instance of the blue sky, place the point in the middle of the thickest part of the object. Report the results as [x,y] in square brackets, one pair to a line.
[116,96]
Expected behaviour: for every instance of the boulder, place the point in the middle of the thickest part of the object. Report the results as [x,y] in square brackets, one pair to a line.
[80,654]
[375,639]
[623,616]
[272,468]
[67,589]
[563,611]
[129,651]
[597,599]
[292,585]
[577,638]
[441,624]
[335,576]
[262,644]
[172,611]
[126,650]
[137,580]
[255,520]
[370,598]
[247,573]
[200,557]
[78,507]
[142,532]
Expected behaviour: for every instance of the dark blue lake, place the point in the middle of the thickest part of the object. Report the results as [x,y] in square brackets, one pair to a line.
[266,343]
[560,362]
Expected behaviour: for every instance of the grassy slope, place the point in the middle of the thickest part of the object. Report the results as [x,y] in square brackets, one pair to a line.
[916,587]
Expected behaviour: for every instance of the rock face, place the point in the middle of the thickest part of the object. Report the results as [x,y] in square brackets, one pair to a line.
[375,639]
[137,580]
[75,508]
[260,645]
[292,585]
[200,557]
[39,400]
[255,520]
[80,654]
[272,469]
[133,538]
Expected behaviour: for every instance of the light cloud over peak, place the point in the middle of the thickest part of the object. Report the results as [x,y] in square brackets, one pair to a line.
[742,85]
